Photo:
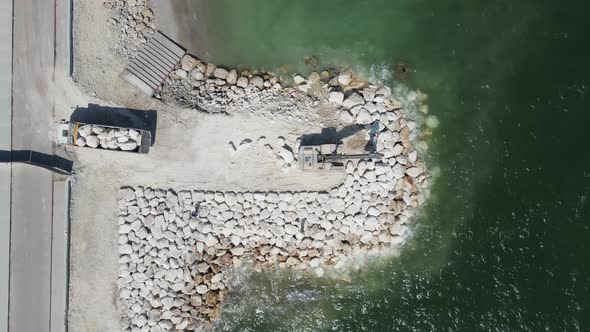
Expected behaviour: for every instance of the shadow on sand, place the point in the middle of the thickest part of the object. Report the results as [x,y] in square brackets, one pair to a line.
[50,162]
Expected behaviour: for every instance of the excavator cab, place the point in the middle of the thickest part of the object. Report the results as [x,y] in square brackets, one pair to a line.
[313,158]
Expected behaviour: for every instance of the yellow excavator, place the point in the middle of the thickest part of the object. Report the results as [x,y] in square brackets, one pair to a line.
[328,157]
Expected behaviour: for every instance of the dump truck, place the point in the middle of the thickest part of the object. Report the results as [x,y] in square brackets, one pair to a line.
[104,137]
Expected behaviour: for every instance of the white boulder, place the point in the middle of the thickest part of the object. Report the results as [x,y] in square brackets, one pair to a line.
[232,77]
[92,141]
[414,171]
[346,117]
[242,82]
[257,81]
[220,73]
[353,100]
[364,117]
[336,97]
[344,78]
[128,146]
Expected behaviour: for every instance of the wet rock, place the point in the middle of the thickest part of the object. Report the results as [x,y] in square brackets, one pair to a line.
[242,82]
[257,81]
[298,79]
[220,73]
[197,75]
[344,78]
[180,74]
[232,77]
[210,69]
[414,172]
[188,63]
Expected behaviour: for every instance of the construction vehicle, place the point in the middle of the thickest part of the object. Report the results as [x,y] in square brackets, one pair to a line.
[328,157]
[68,134]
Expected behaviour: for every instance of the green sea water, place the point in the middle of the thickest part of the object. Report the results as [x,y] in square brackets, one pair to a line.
[504,242]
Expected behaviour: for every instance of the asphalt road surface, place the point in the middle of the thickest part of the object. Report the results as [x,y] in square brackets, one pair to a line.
[5,145]
[32,200]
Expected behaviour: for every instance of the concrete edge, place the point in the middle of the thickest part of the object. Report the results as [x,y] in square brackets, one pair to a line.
[60,256]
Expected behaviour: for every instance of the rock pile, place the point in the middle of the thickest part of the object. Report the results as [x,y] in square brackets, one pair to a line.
[176,248]
[95,136]
[135,22]
[204,86]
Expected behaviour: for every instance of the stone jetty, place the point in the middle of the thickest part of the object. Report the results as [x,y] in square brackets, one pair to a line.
[177,248]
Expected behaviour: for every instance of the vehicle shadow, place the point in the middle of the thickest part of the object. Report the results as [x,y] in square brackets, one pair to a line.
[330,135]
[50,162]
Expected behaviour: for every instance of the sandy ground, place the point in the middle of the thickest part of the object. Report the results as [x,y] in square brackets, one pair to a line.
[191,151]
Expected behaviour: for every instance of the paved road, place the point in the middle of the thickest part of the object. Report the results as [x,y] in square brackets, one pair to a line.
[31,251]
[5,144]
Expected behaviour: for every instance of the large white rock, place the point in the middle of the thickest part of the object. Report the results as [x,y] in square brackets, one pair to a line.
[364,117]
[346,117]
[398,171]
[257,81]
[298,79]
[210,240]
[81,141]
[291,229]
[232,77]
[180,74]
[414,171]
[353,100]
[272,197]
[384,91]
[413,156]
[397,150]
[128,146]
[242,82]
[188,63]
[337,204]
[217,278]
[366,238]
[371,176]
[98,129]
[221,73]
[85,130]
[349,167]
[134,135]
[210,69]
[202,289]
[373,211]
[92,141]
[344,78]
[336,97]
[369,94]
[197,75]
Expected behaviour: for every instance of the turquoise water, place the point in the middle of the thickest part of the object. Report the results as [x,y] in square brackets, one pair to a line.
[503,244]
